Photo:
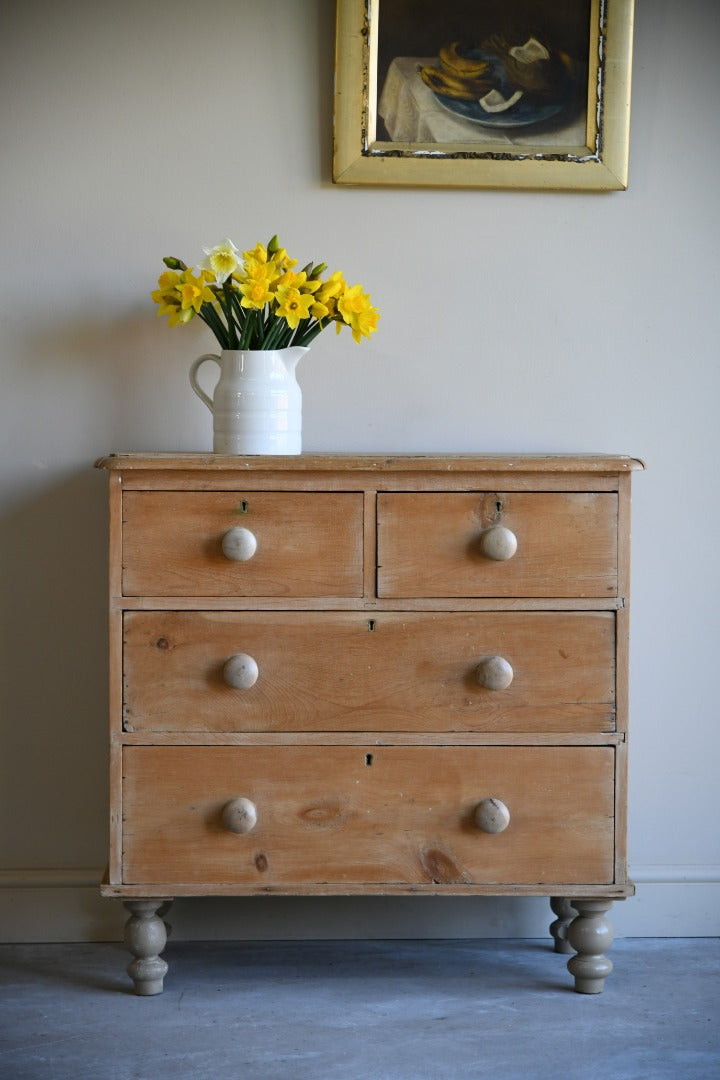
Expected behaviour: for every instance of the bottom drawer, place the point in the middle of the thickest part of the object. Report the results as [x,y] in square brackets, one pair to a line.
[367,814]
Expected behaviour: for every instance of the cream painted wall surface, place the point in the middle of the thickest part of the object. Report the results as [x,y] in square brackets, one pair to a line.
[511,321]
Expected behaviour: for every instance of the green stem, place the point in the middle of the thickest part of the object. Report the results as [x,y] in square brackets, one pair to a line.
[228,307]
[275,333]
[246,336]
[310,334]
[256,319]
[210,317]
[243,320]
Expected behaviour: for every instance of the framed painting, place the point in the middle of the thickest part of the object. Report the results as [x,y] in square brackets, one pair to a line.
[483,93]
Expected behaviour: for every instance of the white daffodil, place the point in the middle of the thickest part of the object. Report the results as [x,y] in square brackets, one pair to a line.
[222,260]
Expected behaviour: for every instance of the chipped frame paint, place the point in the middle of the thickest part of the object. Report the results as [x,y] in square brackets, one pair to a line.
[601,165]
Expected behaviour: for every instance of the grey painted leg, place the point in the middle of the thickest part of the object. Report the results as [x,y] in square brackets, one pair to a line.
[565,914]
[162,912]
[590,935]
[145,937]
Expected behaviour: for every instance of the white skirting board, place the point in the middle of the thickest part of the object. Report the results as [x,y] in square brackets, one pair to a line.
[65,905]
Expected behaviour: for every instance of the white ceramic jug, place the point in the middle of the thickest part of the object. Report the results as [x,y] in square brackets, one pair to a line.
[257,402]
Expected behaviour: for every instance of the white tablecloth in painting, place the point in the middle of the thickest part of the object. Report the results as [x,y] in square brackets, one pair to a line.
[413,114]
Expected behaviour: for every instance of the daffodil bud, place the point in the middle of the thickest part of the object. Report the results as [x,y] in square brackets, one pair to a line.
[317,271]
[173,263]
[307,270]
[273,246]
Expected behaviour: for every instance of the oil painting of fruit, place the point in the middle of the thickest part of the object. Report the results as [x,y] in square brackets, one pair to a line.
[502,85]
[519,66]
[483,93]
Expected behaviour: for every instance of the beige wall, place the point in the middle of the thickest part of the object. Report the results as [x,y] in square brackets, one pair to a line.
[510,321]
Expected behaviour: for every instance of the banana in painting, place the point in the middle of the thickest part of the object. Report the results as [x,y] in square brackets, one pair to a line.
[483,93]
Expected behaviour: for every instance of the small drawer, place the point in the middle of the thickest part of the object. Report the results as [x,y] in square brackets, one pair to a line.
[261,816]
[489,544]
[346,671]
[289,544]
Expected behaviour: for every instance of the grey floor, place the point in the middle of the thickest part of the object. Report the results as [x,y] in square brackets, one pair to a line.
[436,1010]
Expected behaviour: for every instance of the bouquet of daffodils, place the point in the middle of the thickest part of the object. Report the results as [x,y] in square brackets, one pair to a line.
[258,301]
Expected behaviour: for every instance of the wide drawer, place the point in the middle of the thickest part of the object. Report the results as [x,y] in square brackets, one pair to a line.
[431,544]
[333,671]
[367,814]
[305,544]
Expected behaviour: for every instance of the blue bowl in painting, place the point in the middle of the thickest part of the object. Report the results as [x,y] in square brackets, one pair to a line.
[529,110]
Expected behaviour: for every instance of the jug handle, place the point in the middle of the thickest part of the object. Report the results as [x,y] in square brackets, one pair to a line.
[193,377]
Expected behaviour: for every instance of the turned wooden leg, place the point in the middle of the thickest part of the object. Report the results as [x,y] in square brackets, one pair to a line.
[590,934]
[162,912]
[145,937]
[565,914]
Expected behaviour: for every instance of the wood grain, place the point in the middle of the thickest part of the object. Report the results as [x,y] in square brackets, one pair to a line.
[309,544]
[353,672]
[366,742]
[428,544]
[348,463]
[368,814]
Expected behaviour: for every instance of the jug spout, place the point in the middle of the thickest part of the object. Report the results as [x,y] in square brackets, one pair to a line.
[292,355]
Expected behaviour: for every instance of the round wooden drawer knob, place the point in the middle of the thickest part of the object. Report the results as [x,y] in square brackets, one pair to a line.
[239,544]
[498,543]
[239,815]
[495,673]
[492,816]
[241,671]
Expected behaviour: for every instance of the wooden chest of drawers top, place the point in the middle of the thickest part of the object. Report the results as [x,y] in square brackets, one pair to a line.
[372,529]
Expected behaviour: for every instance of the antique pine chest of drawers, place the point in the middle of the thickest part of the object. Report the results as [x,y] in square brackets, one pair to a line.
[335,674]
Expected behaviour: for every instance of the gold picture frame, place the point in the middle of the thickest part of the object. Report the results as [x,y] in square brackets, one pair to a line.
[588,151]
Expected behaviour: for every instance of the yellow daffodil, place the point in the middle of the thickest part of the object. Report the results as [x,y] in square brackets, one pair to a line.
[293,305]
[282,260]
[166,296]
[259,300]
[352,302]
[255,294]
[181,296]
[320,311]
[194,292]
[260,273]
[364,324]
[180,316]
[168,279]
[166,290]
[222,260]
[288,279]
[332,288]
[257,255]
[357,311]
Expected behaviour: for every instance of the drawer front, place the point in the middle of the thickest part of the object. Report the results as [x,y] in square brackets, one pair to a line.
[394,671]
[307,544]
[431,544]
[367,815]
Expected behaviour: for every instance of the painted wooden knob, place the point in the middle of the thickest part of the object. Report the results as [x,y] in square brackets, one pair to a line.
[498,543]
[495,673]
[492,816]
[239,815]
[239,544]
[241,671]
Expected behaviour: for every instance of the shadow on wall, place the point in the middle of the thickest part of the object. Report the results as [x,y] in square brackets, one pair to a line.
[133,374]
[53,786]
[93,385]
